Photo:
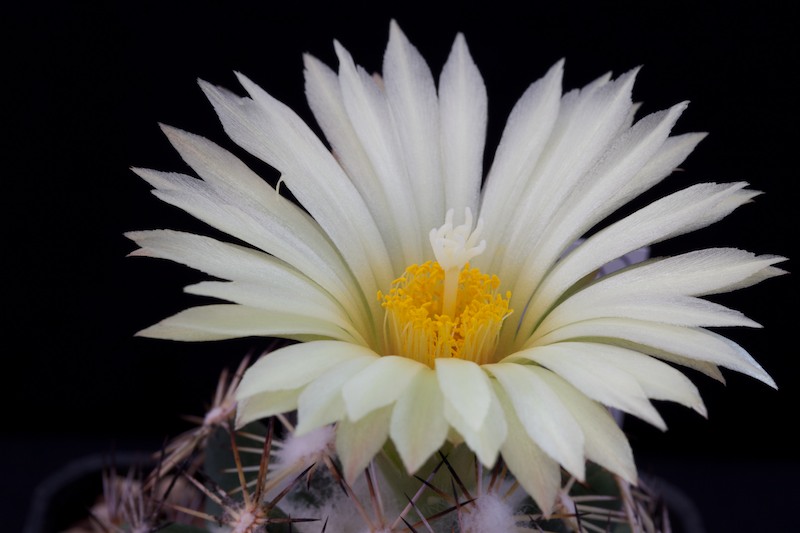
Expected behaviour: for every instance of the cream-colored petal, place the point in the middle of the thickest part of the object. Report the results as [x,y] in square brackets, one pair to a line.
[379,384]
[274,296]
[411,96]
[466,388]
[321,401]
[265,404]
[220,259]
[542,413]
[680,212]
[533,469]
[524,139]
[218,166]
[622,161]
[605,442]
[358,442]
[672,153]
[672,309]
[281,232]
[601,370]
[418,426]
[278,231]
[325,98]
[590,374]
[485,441]
[695,273]
[661,340]
[297,365]
[371,118]
[587,201]
[231,321]
[274,133]
[587,124]
[463,116]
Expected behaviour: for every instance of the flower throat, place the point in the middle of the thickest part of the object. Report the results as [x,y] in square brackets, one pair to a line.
[445,308]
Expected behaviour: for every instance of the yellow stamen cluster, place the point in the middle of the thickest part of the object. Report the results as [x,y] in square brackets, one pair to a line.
[416,326]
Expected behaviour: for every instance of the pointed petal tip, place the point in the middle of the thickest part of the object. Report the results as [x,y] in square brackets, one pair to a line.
[172,133]
[244,80]
[310,60]
[148,333]
[680,107]
[214,93]
[701,409]
[767,379]
[209,90]
[628,78]
[240,420]
[342,54]
[139,252]
[631,477]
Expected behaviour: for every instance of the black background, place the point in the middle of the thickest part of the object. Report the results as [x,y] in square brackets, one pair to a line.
[88,86]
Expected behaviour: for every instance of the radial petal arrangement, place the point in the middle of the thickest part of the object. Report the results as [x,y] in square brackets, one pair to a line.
[431,304]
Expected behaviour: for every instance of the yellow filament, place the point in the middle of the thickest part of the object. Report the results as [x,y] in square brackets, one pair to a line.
[419,326]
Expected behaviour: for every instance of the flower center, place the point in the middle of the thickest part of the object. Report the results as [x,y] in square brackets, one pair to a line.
[445,308]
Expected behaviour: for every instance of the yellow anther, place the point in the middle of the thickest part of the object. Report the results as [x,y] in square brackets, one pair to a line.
[418,326]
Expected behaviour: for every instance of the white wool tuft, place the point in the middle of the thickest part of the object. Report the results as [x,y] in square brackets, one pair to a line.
[488,513]
[306,449]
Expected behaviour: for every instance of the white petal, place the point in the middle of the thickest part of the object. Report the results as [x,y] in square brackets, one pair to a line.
[599,381]
[282,230]
[463,118]
[418,426]
[321,402]
[358,442]
[661,340]
[535,471]
[588,200]
[542,414]
[696,273]
[600,365]
[219,259]
[616,377]
[624,158]
[274,133]
[680,212]
[326,101]
[677,310]
[218,166]
[379,384]
[231,321]
[466,388]
[587,124]
[528,128]
[411,95]
[297,365]
[275,296]
[486,440]
[372,120]
[264,405]
[671,154]
[605,442]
